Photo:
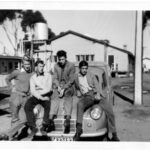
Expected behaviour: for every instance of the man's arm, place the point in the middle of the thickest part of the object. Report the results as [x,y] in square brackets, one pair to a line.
[71,77]
[98,87]
[55,77]
[10,77]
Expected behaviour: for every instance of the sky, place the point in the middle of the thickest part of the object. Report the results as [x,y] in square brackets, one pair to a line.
[116,26]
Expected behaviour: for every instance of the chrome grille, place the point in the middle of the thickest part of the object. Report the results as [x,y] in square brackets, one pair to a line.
[59,125]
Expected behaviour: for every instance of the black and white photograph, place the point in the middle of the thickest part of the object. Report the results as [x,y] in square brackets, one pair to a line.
[74,75]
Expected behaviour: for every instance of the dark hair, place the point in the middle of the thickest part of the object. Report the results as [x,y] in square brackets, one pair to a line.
[61,53]
[39,62]
[83,63]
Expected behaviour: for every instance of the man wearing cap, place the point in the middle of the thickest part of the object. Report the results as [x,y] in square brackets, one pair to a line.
[20,94]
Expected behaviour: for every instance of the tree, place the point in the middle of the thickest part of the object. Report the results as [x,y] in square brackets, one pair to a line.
[146,16]
[13,16]
[31,17]
[27,19]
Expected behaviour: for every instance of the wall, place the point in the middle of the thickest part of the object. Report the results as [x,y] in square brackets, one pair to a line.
[120,58]
[75,45]
[78,46]
[5,67]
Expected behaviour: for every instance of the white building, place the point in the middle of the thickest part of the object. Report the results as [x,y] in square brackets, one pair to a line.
[79,47]
[146,47]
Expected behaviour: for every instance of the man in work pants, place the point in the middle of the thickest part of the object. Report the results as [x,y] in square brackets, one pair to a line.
[20,94]
[86,83]
[63,76]
[40,87]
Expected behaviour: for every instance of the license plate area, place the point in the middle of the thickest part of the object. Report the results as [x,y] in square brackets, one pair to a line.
[62,138]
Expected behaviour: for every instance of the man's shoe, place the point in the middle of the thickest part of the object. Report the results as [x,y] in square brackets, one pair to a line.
[33,132]
[23,133]
[44,128]
[115,137]
[77,135]
[79,131]
[4,137]
[67,126]
[51,126]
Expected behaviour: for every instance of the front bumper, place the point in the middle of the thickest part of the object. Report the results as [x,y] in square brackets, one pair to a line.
[58,134]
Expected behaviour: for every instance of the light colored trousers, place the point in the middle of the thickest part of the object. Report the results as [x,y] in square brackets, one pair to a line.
[17,102]
[67,102]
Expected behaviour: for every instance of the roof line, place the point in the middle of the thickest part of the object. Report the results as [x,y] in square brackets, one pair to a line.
[90,39]
[15,57]
[146,58]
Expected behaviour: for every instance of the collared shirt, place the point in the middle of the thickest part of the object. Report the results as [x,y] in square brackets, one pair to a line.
[83,84]
[40,84]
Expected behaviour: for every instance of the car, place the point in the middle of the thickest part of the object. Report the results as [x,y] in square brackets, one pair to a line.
[94,119]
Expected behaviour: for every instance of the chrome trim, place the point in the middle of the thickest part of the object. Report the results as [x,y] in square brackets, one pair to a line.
[99,132]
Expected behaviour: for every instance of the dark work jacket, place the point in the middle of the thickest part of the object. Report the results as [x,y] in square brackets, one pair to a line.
[69,72]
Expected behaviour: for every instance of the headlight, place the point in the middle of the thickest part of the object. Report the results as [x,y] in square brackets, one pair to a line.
[96,113]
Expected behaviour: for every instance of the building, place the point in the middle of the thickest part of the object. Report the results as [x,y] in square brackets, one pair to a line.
[146,64]
[7,65]
[82,47]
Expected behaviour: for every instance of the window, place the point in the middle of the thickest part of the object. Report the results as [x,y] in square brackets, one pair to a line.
[77,57]
[82,57]
[16,65]
[55,58]
[104,83]
[4,67]
[92,57]
[10,65]
[85,57]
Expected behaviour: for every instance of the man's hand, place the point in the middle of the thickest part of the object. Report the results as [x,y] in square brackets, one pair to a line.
[61,93]
[79,93]
[97,97]
[59,89]
[43,98]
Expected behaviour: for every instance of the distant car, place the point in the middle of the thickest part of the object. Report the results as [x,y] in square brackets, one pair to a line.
[94,120]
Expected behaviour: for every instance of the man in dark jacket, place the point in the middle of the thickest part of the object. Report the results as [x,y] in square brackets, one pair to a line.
[86,83]
[63,77]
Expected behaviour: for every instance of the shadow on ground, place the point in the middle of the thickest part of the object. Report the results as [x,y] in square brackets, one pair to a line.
[137,113]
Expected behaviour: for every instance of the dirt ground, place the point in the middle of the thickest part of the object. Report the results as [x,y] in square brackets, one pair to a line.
[133,122]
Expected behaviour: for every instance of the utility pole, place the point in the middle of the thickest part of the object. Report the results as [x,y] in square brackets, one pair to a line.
[138,58]
[106,51]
